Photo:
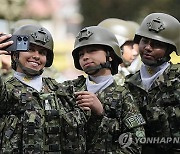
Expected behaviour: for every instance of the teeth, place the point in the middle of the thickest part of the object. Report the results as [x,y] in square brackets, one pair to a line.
[33,63]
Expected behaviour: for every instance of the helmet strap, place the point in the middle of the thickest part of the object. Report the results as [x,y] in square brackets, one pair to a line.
[96,69]
[162,60]
[28,71]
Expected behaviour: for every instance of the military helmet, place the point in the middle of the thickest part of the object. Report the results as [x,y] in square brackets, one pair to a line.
[123,30]
[161,27]
[95,35]
[40,36]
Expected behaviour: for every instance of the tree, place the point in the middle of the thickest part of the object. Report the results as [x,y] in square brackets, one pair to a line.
[95,11]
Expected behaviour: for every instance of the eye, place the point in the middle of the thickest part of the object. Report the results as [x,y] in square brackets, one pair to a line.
[145,40]
[43,52]
[81,53]
[31,49]
[158,44]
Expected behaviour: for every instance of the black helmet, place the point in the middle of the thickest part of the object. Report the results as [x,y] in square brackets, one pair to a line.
[161,27]
[95,35]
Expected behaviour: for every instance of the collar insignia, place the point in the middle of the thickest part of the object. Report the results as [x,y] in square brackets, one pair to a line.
[27,79]
[84,34]
[156,25]
[150,70]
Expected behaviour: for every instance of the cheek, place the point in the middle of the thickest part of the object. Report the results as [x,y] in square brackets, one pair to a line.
[141,49]
[160,53]
[44,59]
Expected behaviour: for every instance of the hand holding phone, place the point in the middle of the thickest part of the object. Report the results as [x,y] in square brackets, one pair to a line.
[20,43]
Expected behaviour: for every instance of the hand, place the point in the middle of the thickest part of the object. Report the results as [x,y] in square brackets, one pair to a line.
[4,44]
[87,100]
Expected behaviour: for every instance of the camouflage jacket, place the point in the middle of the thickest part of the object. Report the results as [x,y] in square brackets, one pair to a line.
[160,106]
[105,134]
[46,122]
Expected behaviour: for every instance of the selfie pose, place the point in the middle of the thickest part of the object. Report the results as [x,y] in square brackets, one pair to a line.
[36,115]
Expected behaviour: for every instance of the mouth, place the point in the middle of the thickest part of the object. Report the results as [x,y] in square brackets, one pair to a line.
[88,64]
[34,63]
[148,56]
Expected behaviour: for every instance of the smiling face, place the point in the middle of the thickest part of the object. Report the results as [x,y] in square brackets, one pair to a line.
[34,59]
[151,51]
[92,56]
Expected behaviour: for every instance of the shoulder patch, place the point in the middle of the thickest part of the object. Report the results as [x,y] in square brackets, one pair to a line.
[134,121]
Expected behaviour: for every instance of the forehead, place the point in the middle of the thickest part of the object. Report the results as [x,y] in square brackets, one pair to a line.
[96,46]
[36,46]
[153,41]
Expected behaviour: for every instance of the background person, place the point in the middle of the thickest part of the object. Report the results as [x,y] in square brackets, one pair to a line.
[124,32]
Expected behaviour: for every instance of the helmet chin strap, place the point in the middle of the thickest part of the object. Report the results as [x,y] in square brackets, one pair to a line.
[158,62]
[28,71]
[96,69]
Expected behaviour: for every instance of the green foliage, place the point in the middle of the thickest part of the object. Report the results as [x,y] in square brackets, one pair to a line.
[94,11]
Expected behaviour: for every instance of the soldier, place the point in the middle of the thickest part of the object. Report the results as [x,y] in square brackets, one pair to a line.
[157,84]
[48,71]
[37,116]
[124,32]
[113,112]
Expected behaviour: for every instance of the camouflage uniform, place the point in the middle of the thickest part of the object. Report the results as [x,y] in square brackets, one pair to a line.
[39,122]
[38,116]
[160,106]
[159,99]
[120,116]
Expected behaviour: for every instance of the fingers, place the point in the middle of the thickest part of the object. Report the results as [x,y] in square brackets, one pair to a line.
[4,37]
[86,108]
[4,44]
[3,51]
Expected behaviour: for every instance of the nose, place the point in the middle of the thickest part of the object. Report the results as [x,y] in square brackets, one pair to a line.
[148,46]
[85,56]
[36,55]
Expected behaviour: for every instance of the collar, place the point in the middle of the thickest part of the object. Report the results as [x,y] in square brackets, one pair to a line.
[97,84]
[34,82]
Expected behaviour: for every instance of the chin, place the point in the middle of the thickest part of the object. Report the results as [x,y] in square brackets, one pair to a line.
[149,62]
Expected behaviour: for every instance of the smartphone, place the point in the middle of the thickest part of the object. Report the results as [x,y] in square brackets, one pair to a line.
[21,43]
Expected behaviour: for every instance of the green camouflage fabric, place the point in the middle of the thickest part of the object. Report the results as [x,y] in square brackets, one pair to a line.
[6,75]
[160,107]
[46,122]
[120,116]
[120,77]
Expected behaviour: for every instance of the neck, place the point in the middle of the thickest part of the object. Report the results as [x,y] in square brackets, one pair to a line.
[102,72]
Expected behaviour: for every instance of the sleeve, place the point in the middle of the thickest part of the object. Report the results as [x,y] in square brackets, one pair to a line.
[73,122]
[3,97]
[117,131]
